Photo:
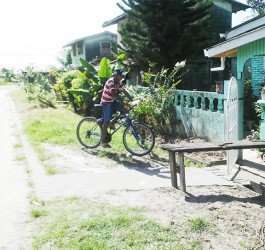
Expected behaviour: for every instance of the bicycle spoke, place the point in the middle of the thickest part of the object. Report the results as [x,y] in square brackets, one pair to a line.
[138,140]
[89,132]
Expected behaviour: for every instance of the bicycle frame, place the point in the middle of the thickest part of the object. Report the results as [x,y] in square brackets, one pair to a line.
[118,128]
[127,120]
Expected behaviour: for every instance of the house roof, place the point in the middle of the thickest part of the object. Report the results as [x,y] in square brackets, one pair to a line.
[248,32]
[91,37]
[114,20]
[253,23]
[236,6]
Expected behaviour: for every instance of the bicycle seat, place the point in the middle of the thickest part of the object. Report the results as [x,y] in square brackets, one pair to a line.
[98,105]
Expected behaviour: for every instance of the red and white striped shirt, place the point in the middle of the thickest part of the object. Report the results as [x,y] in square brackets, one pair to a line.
[107,95]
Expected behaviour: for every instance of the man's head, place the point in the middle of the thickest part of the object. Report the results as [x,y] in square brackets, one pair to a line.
[117,74]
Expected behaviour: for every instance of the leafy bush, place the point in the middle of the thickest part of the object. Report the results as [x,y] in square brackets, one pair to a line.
[63,83]
[7,75]
[38,87]
[82,87]
[156,107]
[86,87]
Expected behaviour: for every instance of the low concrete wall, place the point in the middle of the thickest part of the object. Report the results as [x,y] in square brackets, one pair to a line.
[200,123]
[200,114]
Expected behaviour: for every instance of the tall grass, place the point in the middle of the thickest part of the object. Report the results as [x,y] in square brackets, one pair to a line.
[54,126]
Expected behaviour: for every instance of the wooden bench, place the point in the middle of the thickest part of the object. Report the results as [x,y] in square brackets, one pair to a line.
[180,149]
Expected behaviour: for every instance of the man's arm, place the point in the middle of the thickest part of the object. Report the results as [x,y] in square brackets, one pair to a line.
[118,98]
[127,95]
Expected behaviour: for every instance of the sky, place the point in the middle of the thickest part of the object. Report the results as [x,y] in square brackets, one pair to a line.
[33,32]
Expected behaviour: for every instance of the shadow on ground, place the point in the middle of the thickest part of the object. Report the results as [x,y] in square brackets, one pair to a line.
[151,164]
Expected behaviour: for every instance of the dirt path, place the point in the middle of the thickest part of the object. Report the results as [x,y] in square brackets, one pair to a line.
[14,188]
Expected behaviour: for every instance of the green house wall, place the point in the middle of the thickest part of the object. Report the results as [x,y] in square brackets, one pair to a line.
[248,51]
[245,52]
[257,74]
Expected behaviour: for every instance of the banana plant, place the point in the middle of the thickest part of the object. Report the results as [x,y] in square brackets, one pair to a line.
[105,71]
[90,70]
[86,91]
[88,85]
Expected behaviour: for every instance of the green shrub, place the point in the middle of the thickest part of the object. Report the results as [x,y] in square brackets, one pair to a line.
[63,83]
[156,107]
[7,75]
[38,87]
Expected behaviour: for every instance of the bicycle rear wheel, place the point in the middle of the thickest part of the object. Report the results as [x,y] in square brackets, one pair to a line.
[89,132]
[138,139]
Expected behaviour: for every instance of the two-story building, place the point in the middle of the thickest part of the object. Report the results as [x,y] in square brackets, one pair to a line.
[92,47]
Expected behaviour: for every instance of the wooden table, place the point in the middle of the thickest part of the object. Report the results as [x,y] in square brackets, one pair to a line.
[180,149]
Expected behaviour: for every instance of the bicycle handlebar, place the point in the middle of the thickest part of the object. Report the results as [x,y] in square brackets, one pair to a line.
[128,107]
[132,104]
[136,102]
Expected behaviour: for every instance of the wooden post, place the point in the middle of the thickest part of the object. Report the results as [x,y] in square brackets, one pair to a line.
[173,169]
[182,171]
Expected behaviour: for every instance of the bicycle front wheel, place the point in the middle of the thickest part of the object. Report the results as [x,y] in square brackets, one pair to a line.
[89,132]
[138,139]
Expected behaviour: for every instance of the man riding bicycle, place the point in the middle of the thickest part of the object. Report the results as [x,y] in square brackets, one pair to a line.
[111,101]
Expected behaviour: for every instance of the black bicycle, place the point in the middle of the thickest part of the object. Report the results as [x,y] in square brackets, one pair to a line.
[138,138]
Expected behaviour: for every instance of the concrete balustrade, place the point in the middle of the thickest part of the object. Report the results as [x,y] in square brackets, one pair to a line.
[209,101]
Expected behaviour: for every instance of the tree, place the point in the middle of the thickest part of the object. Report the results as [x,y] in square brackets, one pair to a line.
[66,61]
[257,5]
[7,74]
[162,32]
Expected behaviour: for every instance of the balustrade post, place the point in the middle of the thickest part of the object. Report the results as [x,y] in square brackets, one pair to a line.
[203,103]
[182,101]
[211,105]
[188,101]
[196,106]
[176,100]
[220,106]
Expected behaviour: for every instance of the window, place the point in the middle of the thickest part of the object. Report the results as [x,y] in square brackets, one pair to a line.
[74,49]
[105,49]
[80,48]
